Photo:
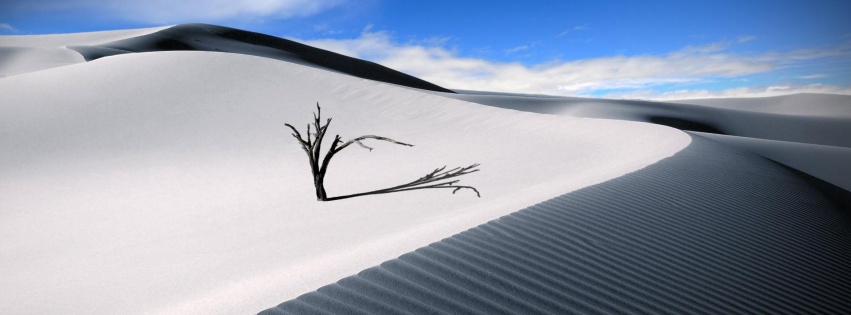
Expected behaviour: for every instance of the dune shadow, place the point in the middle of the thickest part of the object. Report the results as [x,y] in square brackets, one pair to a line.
[710,229]
[205,37]
[684,124]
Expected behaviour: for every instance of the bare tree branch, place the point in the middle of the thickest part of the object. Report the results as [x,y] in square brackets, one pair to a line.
[425,183]
[364,146]
[308,136]
[312,145]
[296,134]
[320,132]
[358,139]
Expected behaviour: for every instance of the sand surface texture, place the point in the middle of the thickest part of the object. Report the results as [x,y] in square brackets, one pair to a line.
[710,230]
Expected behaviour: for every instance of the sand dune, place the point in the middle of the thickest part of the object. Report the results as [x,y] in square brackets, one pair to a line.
[823,105]
[155,181]
[205,37]
[18,60]
[43,51]
[24,54]
[88,38]
[824,129]
[181,191]
[828,163]
[710,230]
[816,143]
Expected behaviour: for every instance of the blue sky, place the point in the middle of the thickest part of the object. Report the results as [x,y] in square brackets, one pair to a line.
[635,49]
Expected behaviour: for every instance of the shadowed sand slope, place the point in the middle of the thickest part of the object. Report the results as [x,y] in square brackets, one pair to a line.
[205,37]
[804,104]
[827,163]
[830,126]
[710,230]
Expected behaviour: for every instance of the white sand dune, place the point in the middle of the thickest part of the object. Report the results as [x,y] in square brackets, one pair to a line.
[72,39]
[17,60]
[206,37]
[816,143]
[831,126]
[167,183]
[29,53]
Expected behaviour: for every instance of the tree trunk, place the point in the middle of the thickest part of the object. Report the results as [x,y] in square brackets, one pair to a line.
[319,182]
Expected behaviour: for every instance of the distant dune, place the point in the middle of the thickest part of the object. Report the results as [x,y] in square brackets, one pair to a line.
[805,104]
[827,124]
[24,54]
[205,37]
[61,40]
[753,124]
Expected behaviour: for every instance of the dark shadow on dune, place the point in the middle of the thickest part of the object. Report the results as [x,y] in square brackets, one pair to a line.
[840,196]
[96,52]
[167,44]
[710,230]
[205,37]
[684,124]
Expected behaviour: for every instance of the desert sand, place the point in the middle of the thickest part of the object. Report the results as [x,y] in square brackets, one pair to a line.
[816,143]
[710,230]
[153,173]
[28,53]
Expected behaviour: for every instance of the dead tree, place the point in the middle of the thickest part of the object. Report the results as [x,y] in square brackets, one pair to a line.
[312,145]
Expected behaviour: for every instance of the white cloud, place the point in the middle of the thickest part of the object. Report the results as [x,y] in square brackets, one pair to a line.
[746,38]
[577,28]
[445,68]
[706,49]
[326,29]
[810,54]
[7,27]
[517,49]
[813,76]
[775,88]
[167,11]
[693,64]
